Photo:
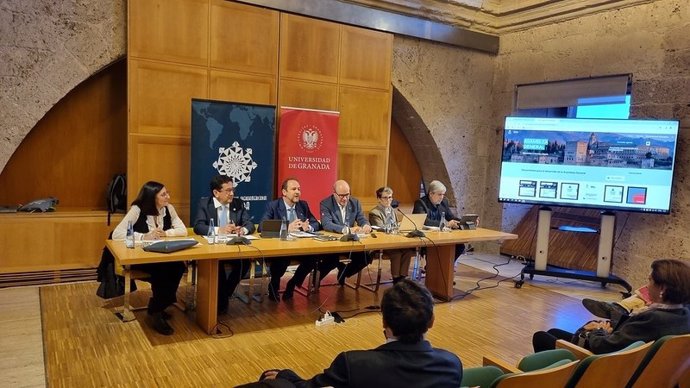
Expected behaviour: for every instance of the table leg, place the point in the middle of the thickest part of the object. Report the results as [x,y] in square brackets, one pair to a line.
[439,271]
[207,295]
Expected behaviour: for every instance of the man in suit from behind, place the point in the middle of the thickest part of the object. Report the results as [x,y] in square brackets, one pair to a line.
[339,214]
[405,360]
[300,218]
[231,217]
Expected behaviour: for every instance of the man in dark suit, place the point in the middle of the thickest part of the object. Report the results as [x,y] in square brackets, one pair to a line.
[339,213]
[405,360]
[300,218]
[231,217]
[435,204]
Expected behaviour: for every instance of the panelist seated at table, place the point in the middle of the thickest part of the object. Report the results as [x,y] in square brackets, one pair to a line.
[339,214]
[384,216]
[231,217]
[153,217]
[435,204]
[291,208]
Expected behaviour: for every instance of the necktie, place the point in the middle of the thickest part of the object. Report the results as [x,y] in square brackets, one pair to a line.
[223,217]
[291,214]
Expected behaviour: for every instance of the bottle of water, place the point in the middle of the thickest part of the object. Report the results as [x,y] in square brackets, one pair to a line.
[443,224]
[129,239]
[284,230]
[211,236]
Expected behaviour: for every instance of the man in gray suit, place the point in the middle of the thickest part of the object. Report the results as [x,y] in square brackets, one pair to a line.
[342,213]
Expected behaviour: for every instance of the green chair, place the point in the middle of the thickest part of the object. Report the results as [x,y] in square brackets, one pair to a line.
[481,376]
[611,370]
[555,375]
[666,364]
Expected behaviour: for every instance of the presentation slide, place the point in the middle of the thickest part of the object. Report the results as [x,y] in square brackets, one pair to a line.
[594,163]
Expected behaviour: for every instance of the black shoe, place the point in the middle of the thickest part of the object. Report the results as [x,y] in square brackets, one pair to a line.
[603,309]
[289,290]
[273,294]
[161,325]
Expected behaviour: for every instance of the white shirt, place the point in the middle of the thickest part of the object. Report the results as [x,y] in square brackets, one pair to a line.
[178,229]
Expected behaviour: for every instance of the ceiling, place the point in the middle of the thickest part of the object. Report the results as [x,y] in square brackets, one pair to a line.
[496,16]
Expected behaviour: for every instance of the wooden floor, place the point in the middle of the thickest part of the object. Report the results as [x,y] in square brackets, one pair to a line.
[85,345]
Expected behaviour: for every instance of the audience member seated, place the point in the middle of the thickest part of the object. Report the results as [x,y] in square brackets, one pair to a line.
[669,291]
[153,217]
[614,311]
[231,218]
[383,216]
[405,360]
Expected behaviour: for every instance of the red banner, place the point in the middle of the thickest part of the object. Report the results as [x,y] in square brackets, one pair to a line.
[308,151]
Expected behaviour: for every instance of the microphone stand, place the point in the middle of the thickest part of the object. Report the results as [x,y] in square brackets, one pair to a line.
[413,233]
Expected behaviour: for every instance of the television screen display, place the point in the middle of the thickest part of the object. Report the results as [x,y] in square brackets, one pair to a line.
[593,163]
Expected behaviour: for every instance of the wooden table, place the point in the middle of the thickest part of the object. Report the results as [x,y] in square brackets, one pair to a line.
[439,267]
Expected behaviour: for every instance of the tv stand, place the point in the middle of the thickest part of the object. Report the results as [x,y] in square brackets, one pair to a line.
[602,274]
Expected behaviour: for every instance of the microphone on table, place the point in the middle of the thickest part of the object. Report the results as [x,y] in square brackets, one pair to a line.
[413,233]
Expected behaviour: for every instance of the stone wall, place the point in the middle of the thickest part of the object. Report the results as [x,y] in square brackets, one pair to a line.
[47,47]
[650,41]
[450,89]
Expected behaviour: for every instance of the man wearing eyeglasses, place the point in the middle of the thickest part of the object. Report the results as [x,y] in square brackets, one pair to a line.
[231,217]
[342,213]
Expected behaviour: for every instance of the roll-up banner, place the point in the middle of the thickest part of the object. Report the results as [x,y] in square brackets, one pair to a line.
[308,151]
[236,140]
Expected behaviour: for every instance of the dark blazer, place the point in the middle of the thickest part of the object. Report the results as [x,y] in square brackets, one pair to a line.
[276,210]
[207,210]
[331,219]
[433,212]
[393,365]
[649,325]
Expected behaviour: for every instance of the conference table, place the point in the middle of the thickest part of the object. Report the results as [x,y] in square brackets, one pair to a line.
[440,247]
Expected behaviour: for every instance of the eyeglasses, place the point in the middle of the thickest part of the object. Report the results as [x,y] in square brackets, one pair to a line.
[166,194]
[343,195]
[386,198]
[228,190]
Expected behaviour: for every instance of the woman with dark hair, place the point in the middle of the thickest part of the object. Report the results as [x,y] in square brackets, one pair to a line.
[153,217]
[669,291]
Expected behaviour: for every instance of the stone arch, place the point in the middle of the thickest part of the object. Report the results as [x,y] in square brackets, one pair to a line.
[422,142]
[46,52]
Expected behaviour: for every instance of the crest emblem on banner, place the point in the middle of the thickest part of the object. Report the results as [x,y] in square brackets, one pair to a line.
[235,162]
[310,138]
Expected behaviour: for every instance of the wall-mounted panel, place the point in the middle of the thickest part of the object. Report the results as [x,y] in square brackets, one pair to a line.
[308,95]
[244,38]
[364,117]
[309,48]
[364,169]
[169,30]
[160,97]
[162,159]
[239,87]
[366,58]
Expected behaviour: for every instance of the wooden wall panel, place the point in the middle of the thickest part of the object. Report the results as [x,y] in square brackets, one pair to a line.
[244,38]
[238,87]
[366,59]
[169,30]
[404,174]
[365,170]
[309,48]
[364,117]
[160,97]
[75,149]
[310,95]
[165,160]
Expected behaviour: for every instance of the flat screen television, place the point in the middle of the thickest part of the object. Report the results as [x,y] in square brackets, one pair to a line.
[592,163]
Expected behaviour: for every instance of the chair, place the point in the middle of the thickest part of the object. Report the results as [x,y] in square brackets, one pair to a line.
[666,364]
[609,370]
[493,368]
[555,375]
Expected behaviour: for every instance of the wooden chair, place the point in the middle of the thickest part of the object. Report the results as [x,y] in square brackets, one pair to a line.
[611,370]
[531,362]
[666,364]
